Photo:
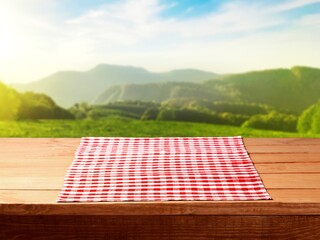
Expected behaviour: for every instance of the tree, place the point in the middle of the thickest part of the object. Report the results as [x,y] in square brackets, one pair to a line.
[273,121]
[166,115]
[150,114]
[9,103]
[309,120]
[40,106]
[80,110]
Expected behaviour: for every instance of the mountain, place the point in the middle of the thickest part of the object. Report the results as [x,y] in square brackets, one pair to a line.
[187,75]
[288,90]
[69,87]
[158,92]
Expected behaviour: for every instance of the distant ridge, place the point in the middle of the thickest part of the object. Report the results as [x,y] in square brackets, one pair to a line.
[288,90]
[70,87]
[158,92]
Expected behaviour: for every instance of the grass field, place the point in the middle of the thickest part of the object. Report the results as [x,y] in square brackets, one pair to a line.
[128,128]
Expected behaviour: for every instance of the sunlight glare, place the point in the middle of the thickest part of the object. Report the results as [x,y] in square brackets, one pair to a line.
[7,46]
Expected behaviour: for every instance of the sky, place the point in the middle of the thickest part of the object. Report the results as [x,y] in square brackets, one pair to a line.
[40,37]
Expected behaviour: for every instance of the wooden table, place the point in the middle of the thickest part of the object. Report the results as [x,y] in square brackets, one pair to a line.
[32,173]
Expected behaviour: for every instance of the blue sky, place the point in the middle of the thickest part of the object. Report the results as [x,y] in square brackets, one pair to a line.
[39,37]
[189,8]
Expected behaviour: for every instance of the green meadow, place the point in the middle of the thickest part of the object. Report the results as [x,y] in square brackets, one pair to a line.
[125,127]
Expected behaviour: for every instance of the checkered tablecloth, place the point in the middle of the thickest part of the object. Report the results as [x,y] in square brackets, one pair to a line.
[162,169]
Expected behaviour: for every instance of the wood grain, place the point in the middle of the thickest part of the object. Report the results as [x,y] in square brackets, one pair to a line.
[310,180]
[285,157]
[32,172]
[49,196]
[283,149]
[283,168]
[53,181]
[160,227]
[299,195]
[280,141]
[41,172]
[59,169]
[245,208]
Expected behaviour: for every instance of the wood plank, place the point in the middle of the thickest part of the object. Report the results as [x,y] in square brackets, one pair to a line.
[28,196]
[60,168]
[285,157]
[8,175]
[50,196]
[41,172]
[298,195]
[60,171]
[55,147]
[42,141]
[52,180]
[37,145]
[310,180]
[249,208]
[36,161]
[71,142]
[61,157]
[284,149]
[160,227]
[288,168]
[281,141]
[31,182]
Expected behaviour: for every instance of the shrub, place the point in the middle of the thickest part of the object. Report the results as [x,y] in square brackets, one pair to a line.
[189,115]
[273,121]
[97,113]
[233,119]
[309,120]
[40,106]
[134,107]
[9,103]
[150,114]
[166,115]
[249,109]
[80,110]
[196,116]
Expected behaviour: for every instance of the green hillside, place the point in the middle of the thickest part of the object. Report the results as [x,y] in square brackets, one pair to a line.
[70,87]
[158,92]
[289,90]
[29,105]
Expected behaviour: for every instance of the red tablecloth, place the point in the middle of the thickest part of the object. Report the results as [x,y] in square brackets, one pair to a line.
[162,169]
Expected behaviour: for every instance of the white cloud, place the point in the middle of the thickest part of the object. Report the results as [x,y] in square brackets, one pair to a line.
[310,20]
[121,23]
[232,18]
[292,4]
[132,20]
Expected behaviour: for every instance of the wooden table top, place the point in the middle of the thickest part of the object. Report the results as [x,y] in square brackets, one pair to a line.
[33,169]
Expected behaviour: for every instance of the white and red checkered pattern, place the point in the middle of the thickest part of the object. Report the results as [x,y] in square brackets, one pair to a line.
[162,169]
